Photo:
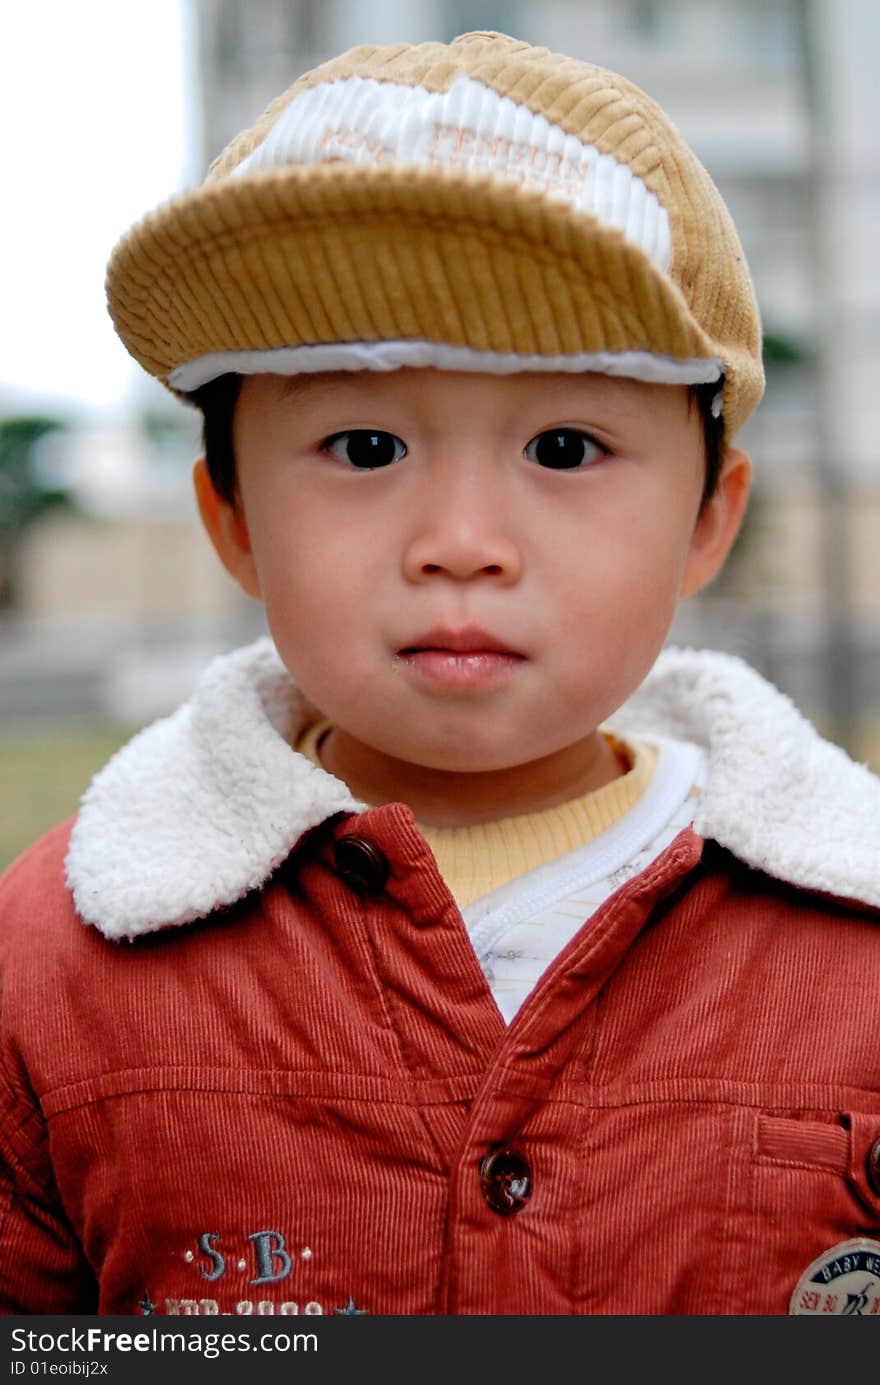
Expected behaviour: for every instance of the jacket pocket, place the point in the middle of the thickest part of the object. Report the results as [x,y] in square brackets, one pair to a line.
[804,1144]
[810,1189]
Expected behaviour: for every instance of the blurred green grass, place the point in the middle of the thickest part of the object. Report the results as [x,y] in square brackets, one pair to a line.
[43,772]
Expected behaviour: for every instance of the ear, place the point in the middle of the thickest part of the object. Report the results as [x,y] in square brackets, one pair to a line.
[227,529]
[718,522]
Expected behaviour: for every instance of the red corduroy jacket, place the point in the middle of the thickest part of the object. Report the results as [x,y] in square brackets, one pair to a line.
[307,1101]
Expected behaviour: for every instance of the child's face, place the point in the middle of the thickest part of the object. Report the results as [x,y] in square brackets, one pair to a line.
[558,583]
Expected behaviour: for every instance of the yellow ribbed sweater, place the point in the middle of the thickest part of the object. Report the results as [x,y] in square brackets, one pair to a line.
[477,859]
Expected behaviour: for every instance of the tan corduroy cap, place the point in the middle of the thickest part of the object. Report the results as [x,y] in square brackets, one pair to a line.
[479,205]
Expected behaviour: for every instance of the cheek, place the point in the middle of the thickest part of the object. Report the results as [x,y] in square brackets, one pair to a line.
[299,551]
[615,603]
[624,566]
[316,573]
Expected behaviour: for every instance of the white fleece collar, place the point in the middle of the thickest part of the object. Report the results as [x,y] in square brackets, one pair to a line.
[202,806]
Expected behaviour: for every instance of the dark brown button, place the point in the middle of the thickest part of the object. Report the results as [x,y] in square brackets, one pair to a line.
[872,1164]
[506,1180]
[361,864]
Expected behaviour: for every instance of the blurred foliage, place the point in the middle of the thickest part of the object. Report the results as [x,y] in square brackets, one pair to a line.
[161,431]
[24,494]
[780,349]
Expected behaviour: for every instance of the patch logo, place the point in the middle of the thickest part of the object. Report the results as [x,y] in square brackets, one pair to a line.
[843,1280]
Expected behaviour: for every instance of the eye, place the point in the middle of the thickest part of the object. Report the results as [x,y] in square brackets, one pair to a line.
[366,448]
[563,449]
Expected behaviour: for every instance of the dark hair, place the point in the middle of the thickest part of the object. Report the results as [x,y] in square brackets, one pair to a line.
[218,398]
[703,397]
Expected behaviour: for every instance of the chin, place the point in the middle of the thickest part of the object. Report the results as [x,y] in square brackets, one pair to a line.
[469,760]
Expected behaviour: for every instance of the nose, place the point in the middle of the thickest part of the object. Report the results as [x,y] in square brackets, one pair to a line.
[462,533]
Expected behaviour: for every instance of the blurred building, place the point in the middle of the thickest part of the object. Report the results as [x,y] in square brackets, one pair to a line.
[779,99]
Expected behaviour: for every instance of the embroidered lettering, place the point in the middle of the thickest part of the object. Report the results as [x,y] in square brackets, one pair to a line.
[244,1308]
[270,1247]
[538,161]
[218,1264]
[344,144]
[451,144]
[487,147]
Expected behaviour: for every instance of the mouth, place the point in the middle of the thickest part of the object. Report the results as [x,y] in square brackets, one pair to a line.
[468,640]
[460,660]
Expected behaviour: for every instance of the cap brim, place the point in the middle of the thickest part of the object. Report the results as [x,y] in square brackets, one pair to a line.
[333,253]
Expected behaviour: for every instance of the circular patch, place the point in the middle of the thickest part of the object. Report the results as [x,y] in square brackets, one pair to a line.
[844,1280]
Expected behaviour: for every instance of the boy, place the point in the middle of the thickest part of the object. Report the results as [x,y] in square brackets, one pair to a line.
[452,952]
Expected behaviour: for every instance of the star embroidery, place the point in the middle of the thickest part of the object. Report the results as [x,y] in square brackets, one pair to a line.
[350,1311]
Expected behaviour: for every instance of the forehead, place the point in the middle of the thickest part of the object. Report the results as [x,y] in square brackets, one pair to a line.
[431,390]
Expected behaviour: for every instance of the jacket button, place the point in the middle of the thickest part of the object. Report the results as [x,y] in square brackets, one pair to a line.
[506,1180]
[872,1164]
[361,864]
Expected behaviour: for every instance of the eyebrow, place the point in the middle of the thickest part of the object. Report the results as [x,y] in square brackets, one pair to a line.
[291,386]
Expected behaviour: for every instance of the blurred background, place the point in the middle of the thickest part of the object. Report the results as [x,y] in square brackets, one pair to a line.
[111,600]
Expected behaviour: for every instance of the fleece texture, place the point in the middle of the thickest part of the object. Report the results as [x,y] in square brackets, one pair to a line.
[201,807]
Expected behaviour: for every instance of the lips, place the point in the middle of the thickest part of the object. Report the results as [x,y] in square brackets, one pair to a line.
[465,662]
[470,639]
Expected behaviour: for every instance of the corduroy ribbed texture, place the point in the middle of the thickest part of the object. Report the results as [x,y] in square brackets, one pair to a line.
[317,253]
[284,1109]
